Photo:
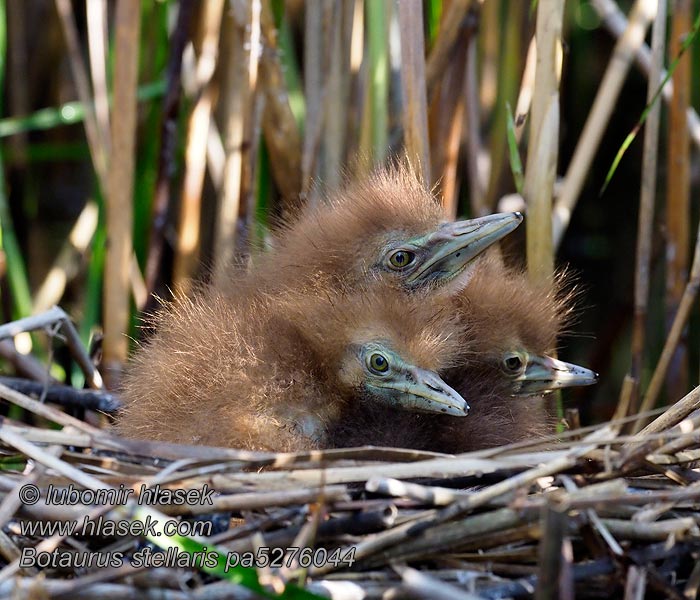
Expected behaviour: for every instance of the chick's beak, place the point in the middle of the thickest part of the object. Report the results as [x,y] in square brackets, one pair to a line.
[420,390]
[545,374]
[454,245]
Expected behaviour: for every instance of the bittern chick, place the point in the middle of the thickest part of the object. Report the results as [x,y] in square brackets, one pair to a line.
[507,325]
[275,372]
[388,226]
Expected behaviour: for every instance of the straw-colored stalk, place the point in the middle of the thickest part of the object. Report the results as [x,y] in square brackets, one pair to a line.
[446,118]
[415,107]
[242,29]
[334,134]
[449,35]
[641,15]
[318,43]
[472,133]
[646,204]
[188,239]
[96,12]
[544,141]
[120,185]
[678,189]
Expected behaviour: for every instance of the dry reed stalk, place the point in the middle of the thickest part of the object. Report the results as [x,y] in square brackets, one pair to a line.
[279,127]
[188,239]
[541,170]
[96,14]
[446,118]
[646,208]
[420,585]
[446,124]
[627,45]
[508,73]
[319,16]
[449,35]
[336,104]
[615,22]
[674,336]
[678,190]
[415,106]
[120,184]
[472,134]
[240,68]
[527,86]
[554,523]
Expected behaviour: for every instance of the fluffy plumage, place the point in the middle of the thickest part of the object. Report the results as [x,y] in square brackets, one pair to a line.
[275,372]
[500,314]
[387,227]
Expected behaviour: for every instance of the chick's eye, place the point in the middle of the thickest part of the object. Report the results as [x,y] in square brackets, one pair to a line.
[401,259]
[513,363]
[378,363]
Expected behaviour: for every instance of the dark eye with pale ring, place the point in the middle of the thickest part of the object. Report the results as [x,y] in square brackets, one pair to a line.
[378,363]
[401,259]
[513,363]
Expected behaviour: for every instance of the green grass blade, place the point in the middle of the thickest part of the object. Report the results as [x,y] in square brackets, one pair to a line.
[66,114]
[687,43]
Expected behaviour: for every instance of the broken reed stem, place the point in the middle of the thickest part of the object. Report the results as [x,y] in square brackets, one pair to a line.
[415,106]
[678,189]
[627,45]
[544,141]
[689,295]
[120,185]
[646,207]
[188,238]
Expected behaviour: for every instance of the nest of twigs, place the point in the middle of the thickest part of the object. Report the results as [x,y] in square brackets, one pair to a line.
[596,514]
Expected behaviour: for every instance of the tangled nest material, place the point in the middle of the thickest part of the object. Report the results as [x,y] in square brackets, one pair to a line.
[595,514]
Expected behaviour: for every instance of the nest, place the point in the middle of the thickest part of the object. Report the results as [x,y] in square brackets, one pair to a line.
[594,514]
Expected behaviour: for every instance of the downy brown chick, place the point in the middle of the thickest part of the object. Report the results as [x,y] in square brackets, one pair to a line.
[507,327]
[387,227]
[275,372]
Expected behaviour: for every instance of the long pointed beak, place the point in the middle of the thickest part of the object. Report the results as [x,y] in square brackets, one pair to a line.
[454,245]
[424,391]
[545,374]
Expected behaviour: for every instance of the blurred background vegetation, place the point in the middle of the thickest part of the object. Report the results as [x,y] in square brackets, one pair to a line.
[144,143]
